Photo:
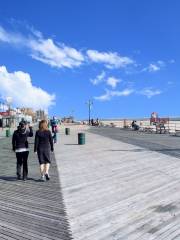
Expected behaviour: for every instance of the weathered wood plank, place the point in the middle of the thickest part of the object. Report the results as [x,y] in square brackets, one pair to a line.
[32,209]
[117,191]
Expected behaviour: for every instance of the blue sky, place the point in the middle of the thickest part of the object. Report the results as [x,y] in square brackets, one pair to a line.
[123,55]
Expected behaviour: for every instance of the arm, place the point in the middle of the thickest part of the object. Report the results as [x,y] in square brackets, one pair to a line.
[36,142]
[51,141]
[30,133]
[13,142]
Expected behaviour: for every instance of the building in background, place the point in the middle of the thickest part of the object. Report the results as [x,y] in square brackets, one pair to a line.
[40,115]
[10,117]
[69,119]
[28,112]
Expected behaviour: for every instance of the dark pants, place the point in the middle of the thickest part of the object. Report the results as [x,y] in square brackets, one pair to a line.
[22,158]
[55,137]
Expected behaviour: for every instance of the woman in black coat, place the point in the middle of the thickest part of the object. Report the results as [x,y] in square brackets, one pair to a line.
[44,146]
[20,147]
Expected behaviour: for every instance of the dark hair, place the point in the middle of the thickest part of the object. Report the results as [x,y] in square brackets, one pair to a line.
[21,124]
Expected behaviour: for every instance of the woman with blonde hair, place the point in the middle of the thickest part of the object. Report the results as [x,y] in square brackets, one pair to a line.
[44,146]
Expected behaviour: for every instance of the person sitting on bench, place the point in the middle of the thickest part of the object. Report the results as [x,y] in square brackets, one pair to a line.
[134,125]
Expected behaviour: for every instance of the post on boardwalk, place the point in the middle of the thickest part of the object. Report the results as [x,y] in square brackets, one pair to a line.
[8,133]
[81,138]
[67,131]
[89,103]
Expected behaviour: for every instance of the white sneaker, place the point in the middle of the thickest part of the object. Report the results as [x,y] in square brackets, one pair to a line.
[42,178]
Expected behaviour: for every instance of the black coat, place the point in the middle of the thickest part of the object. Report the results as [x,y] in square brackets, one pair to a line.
[43,141]
[19,138]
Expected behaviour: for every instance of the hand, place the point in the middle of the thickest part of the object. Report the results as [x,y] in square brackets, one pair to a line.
[35,152]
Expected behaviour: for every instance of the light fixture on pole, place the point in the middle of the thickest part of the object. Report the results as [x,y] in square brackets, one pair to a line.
[9,102]
[89,103]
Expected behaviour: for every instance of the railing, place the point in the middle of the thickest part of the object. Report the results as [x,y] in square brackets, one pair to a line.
[171,126]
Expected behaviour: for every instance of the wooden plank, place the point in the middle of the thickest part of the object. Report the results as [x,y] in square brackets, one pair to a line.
[32,209]
[114,190]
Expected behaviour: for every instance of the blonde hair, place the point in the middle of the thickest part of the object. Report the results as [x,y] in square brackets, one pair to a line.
[43,126]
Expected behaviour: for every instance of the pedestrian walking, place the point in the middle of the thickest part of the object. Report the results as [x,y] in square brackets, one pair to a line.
[54,128]
[21,148]
[53,123]
[55,133]
[44,146]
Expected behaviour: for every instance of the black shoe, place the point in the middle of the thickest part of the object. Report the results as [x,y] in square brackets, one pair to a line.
[18,177]
[47,177]
[25,179]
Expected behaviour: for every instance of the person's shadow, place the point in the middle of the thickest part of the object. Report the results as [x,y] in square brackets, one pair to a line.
[8,178]
[12,179]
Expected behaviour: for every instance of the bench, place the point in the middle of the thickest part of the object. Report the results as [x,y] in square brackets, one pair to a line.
[127,126]
[177,132]
[112,125]
[149,129]
[162,129]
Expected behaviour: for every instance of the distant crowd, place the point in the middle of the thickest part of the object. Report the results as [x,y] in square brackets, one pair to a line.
[94,122]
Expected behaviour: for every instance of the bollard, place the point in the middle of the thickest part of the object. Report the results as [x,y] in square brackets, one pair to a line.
[81,138]
[67,131]
[8,133]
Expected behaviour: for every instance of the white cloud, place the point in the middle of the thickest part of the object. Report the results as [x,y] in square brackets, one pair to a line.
[149,92]
[12,38]
[172,61]
[170,82]
[154,67]
[105,97]
[110,59]
[18,86]
[112,81]
[58,54]
[161,63]
[110,94]
[45,50]
[99,78]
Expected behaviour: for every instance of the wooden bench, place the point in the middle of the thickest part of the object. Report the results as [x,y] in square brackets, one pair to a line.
[112,125]
[177,132]
[127,126]
[149,129]
[161,128]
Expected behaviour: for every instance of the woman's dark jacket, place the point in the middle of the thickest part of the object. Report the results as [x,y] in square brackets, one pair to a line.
[43,141]
[19,139]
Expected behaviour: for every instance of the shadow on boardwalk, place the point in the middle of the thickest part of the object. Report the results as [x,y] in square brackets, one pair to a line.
[31,209]
[11,179]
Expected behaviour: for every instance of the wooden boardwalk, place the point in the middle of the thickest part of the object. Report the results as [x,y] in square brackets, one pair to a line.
[163,143]
[110,189]
[30,210]
[117,191]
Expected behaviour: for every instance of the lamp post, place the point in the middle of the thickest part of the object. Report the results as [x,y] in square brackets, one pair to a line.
[9,101]
[89,103]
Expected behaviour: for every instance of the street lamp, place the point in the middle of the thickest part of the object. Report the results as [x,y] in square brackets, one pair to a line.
[9,101]
[89,103]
